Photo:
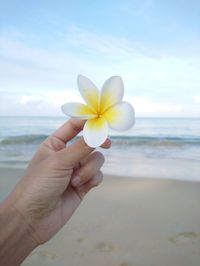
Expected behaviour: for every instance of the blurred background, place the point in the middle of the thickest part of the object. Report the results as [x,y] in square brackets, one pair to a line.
[153,45]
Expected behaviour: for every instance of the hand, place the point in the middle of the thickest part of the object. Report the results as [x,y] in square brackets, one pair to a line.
[56,181]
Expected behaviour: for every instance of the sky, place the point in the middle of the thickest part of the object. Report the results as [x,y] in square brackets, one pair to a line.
[154,45]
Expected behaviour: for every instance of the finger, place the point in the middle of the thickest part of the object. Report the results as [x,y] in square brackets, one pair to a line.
[106,144]
[65,133]
[88,170]
[70,129]
[74,153]
[57,140]
[95,181]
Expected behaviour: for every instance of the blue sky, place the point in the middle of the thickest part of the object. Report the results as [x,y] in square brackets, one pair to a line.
[153,45]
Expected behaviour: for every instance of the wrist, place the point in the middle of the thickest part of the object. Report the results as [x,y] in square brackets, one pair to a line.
[16,241]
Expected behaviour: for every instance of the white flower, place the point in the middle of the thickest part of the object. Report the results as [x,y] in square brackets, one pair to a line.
[102,109]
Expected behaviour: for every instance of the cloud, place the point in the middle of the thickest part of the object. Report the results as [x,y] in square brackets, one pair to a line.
[30,99]
[43,78]
[146,107]
[37,103]
[49,103]
[94,44]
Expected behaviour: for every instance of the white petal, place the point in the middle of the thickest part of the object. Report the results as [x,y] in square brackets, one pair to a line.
[112,92]
[120,116]
[95,131]
[77,110]
[89,92]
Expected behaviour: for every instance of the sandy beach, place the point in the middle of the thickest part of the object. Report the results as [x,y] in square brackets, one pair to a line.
[125,222]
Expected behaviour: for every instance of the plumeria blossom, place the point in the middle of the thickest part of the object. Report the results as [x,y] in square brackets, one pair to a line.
[102,109]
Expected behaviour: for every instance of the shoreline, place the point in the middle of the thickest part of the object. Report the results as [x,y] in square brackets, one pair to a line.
[4,168]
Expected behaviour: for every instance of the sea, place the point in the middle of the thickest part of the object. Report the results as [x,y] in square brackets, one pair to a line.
[166,148]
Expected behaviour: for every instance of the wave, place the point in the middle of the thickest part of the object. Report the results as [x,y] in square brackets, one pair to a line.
[155,141]
[116,140]
[23,139]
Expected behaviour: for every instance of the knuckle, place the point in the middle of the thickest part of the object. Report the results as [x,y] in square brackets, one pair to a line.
[76,125]
[86,172]
[48,143]
[83,174]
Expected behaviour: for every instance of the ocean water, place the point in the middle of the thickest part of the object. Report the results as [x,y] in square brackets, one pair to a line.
[153,148]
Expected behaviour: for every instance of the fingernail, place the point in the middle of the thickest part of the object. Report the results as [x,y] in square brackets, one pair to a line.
[76,180]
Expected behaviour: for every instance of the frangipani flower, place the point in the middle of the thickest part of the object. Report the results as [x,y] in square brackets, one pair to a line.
[102,109]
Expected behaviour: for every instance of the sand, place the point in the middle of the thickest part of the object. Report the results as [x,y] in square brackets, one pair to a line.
[125,222]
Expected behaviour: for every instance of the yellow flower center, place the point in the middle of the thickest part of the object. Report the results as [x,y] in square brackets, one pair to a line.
[99,115]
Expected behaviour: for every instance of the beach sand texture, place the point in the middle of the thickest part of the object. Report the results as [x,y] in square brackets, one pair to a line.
[125,222]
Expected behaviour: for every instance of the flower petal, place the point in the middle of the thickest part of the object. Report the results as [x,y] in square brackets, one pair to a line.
[95,131]
[120,116]
[112,93]
[89,92]
[78,110]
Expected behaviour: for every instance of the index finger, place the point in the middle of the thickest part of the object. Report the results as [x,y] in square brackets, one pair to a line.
[61,136]
[66,133]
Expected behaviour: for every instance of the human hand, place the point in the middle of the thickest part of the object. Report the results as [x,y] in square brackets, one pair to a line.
[56,181]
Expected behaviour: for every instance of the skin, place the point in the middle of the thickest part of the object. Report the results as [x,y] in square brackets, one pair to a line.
[54,184]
